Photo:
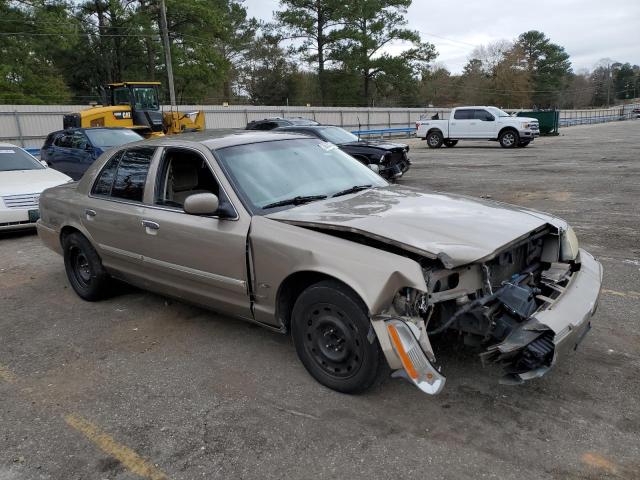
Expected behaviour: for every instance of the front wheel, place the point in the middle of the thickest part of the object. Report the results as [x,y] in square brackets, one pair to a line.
[84,268]
[450,143]
[435,139]
[509,139]
[334,338]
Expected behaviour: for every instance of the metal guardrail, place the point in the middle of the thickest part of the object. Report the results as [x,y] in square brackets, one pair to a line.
[385,131]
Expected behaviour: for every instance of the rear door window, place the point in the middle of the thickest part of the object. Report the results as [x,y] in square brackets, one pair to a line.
[132,174]
[125,174]
[463,114]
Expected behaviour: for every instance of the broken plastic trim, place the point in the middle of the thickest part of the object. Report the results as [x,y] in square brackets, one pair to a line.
[417,368]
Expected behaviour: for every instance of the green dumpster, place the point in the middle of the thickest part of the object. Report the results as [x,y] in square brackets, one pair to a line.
[548,120]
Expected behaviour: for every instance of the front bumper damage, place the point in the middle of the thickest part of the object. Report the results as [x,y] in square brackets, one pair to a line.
[528,352]
[554,330]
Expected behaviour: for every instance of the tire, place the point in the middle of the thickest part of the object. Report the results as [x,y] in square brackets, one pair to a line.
[523,144]
[334,338]
[450,143]
[434,139]
[84,268]
[509,139]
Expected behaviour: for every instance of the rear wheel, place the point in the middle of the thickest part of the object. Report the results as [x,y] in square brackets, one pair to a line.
[84,268]
[509,139]
[334,338]
[450,143]
[435,139]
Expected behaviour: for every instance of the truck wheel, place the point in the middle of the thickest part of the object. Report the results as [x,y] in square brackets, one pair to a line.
[435,139]
[333,337]
[84,267]
[524,144]
[450,143]
[509,139]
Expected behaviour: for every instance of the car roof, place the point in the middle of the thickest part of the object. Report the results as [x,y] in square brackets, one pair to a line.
[82,129]
[214,140]
[304,127]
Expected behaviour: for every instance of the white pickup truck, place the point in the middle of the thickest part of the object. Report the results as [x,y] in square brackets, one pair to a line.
[478,123]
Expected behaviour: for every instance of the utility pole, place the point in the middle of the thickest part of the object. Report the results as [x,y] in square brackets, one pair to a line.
[167,52]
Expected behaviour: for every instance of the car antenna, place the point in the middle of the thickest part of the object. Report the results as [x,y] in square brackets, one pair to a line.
[359,126]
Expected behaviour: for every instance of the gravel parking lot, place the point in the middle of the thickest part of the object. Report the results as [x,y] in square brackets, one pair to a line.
[139,386]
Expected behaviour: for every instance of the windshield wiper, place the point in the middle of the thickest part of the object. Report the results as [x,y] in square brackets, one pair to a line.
[299,200]
[354,189]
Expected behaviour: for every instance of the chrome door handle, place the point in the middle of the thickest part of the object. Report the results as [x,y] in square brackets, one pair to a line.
[150,225]
[90,213]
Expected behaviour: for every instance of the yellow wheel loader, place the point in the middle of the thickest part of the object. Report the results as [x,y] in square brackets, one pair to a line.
[135,105]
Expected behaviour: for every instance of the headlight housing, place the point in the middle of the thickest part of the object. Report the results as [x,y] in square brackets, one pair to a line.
[568,245]
[526,125]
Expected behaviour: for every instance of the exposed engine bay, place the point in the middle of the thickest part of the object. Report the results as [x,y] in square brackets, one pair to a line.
[490,304]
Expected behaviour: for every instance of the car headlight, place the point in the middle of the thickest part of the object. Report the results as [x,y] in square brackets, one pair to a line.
[568,245]
[526,125]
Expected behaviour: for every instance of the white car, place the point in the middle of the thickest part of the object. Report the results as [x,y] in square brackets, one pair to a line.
[478,123]
[22,180]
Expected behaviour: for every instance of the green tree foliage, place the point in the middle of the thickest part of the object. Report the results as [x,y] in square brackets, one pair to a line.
[313,22]
[27,74]
[624,81]
[268,73]
[370,26]
[548,66]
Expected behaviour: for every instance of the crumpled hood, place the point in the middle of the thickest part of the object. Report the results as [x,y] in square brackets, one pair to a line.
[384,145]
[456,229]
[30,181]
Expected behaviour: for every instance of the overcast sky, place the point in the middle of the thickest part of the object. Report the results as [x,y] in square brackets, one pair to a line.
[588,29]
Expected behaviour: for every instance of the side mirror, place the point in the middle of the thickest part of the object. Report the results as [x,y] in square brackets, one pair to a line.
[44,164]
[201,204]
[375,168]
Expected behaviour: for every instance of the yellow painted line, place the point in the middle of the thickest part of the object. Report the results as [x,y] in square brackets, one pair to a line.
[129,458]
[7,375]
[616,293]
[596,460]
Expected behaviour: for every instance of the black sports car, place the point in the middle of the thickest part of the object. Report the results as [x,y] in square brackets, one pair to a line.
[391,158]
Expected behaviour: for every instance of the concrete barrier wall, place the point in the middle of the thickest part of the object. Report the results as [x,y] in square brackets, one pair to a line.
[28,125]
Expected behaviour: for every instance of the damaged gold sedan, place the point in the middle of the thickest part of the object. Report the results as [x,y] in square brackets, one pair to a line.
[295,235]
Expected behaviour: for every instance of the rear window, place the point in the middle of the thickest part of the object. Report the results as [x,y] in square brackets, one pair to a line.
[14,158]
[463,115]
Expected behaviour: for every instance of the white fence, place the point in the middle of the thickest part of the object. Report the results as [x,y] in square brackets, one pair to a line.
[28,125]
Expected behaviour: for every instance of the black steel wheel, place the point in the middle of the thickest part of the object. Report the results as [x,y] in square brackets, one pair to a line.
[334,338]
[84,268]
[434,139]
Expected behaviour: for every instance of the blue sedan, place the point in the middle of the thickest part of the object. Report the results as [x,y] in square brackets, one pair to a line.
[72,151]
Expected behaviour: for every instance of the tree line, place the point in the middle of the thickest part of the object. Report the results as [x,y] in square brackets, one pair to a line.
[319,52]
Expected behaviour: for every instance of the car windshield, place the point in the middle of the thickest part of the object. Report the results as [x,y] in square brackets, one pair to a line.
[105,138]
[14,158]
[270,172]
[498,113]
[338,135]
